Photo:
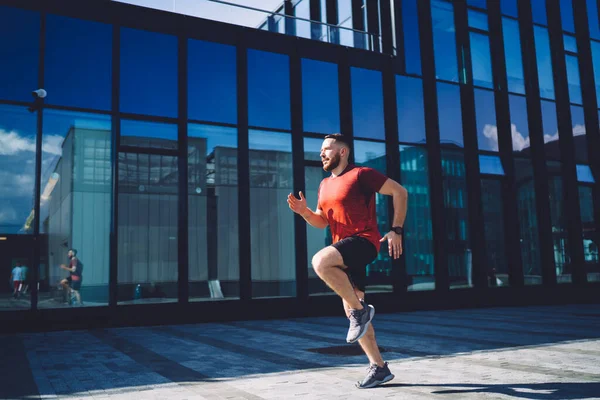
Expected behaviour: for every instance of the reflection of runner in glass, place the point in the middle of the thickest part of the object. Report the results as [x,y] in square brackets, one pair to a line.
[73,282]
[17,278]
[347,204]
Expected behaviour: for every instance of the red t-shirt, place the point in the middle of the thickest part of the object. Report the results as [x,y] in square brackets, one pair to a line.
[348,201]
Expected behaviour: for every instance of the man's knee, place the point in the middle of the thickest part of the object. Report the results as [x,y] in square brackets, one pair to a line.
[326,259]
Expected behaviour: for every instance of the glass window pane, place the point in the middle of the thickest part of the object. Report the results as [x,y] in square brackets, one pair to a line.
[320,97]
[558,216]
[418,233]
[78,63]
[592,13]
[590,234]
[212,82]
[344,10]
[444,40]
[570,43]
[148,73]
[302,10]
[550,129]
[268,90]
[544,62]
[367,104]
[477,3]
[379,272]
[481,61]
[409,105]
[493,218]
[596,63]
[485,114]
[573,79]
[509,7]
[312,149]
[148,134]
[454,185]
[584,174]
[566,15]
[519,126]
[19,77]
[579,135]
[490,165]
[272,222]
[147,229]
[410,25]
[76,206]
[528,225]
[538,9]
[512,52]
[449,112]
[478,20]
[214,265]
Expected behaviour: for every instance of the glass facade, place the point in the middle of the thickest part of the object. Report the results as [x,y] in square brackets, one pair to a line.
[171,180]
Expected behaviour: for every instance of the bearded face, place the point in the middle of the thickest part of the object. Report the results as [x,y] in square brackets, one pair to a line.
[332,162]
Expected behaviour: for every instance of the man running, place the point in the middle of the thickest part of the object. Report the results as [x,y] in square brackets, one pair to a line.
[72,284]
[347,204]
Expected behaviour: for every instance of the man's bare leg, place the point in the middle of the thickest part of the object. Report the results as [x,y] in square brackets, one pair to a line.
[328,264]
[367,342]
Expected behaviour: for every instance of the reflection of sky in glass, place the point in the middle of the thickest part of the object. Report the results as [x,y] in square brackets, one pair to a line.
[481,61]
[544,62]
[596,63]
[570,43]
[519,125]
[509,7]
[78,62]
[216,136]
[320,97]
[212,82]
[409,103]
[302,10]
[550,126]
[566,15]
[487,130]
[538,9]
[592,12]
[19,76]
[365,151]
[584,174]
[573,79]
[512,51]
[410,24]
[265,140]
[478,20]
[312,148]
[490,165]
[444,40]
[367,103]
[449,111]
[579,134]
[148,73]
[477,3]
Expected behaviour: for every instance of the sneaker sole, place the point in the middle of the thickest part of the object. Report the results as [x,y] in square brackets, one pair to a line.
[376,383]
[371,316]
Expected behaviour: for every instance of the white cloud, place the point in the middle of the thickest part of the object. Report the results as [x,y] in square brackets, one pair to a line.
[578,130]
[491,133]
[52,144]
[8,214]
[519,141]
[11,143]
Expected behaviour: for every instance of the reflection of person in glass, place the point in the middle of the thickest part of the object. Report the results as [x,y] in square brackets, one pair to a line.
[72,284]
[346,202]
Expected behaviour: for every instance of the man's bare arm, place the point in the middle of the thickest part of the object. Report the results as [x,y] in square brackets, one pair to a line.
[315,218]
[400,200]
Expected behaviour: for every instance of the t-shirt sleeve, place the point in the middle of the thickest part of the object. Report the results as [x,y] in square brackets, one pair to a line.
[371,180]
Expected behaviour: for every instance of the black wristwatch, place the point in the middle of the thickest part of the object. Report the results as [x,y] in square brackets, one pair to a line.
[398,229]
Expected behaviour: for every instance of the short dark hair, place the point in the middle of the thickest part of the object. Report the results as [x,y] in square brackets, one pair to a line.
[74,251]
[338,137]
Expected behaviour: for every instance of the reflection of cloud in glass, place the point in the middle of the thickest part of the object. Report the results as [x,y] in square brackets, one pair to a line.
[520,142]
[12,143]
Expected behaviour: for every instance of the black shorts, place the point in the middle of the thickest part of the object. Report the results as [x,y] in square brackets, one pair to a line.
[75,285]
[357,253]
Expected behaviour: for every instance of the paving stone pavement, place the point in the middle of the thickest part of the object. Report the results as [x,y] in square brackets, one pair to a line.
[500,353]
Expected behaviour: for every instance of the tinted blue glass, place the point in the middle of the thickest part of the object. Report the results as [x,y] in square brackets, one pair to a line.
[570,43]
[596,64]
[449,111]
[519,127]
[444,40]
[566,15]
[212,82]
[78,62]
[320,97]
[490,165]
[302,10]
[512,51]
[477,3]
[538,9]
[584,174]
[19,43]
[367,104]
[412,50]
[148,134]
[579,135]
[344,10]
[268,90]
[573,79]
[481,61]
[592,13]
[148,73]
[409,103]
[478,20]
[550,130]
[485,114]
[312,149]
[544,62]
[509,7]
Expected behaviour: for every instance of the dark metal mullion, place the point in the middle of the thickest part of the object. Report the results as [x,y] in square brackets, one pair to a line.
[211,123]
[315,15]
[571,205]
[510,207]
[148,150]
[37,238]
[244,230]
[373,23]
[147,118]
[399,32]
[467,99]
[182,200]
[298,174]
[438,219]
[538,158]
